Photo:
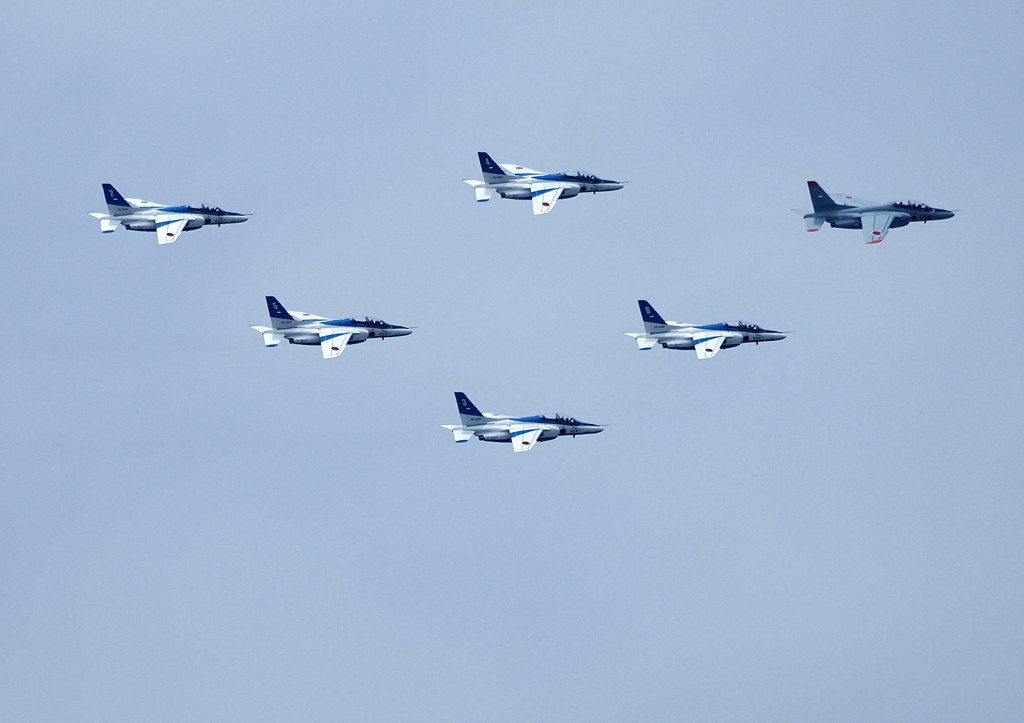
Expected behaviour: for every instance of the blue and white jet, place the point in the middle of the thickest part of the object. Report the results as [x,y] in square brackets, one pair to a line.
[525,184]
[705,339]
[875,219]
[331,335]
[522,432]
[169,222]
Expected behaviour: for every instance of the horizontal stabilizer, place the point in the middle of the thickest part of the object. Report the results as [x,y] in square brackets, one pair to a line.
[332,343]
[707,346]
[643,341]
[270,337]
[813,224]
[107,224]
[483,193]
[524,437]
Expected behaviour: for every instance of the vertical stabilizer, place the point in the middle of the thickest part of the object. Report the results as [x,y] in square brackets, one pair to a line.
[821,200]
[653,322]
[471,416]
[115,201]
[279,316]
[493,173]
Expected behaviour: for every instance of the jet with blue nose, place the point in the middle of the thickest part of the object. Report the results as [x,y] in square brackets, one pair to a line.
[331,335]
[523,433]
[525,184]
[704,339]
[169,222]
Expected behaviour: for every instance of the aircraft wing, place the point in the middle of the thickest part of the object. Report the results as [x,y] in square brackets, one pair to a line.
[169,227]
[524,436]
[876,225]
[707,346]
[845,200]
[332,343]
[514,170]
[544,196]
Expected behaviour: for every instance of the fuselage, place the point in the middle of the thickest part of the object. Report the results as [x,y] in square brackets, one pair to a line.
[308,332]
[144,218]
[571,185]
[735,332]
[906,212]
[499,428]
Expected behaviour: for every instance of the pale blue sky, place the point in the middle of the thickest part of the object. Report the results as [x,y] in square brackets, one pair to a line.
[193,527]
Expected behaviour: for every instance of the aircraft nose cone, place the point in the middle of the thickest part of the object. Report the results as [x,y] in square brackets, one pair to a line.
[614,186]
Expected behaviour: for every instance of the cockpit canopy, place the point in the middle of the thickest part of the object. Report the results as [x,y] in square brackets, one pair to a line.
[584,178]
[207,209]
[367,321]
[559,419]
[743,326]
[913,206]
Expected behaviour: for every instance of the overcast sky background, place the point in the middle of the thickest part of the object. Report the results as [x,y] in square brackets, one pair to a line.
[193,527]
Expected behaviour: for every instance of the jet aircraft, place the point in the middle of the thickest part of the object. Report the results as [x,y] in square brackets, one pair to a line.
[875,219]
[168,221]
[331,335]
[525,184]
[522,432]
[706,340]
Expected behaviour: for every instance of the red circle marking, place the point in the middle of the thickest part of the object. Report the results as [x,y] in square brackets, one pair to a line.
[545,204]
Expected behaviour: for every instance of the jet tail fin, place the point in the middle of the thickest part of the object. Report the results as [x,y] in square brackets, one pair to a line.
[821,200]
[471,416]
[652,319]
[493,173]
[116,203]
[279,316]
